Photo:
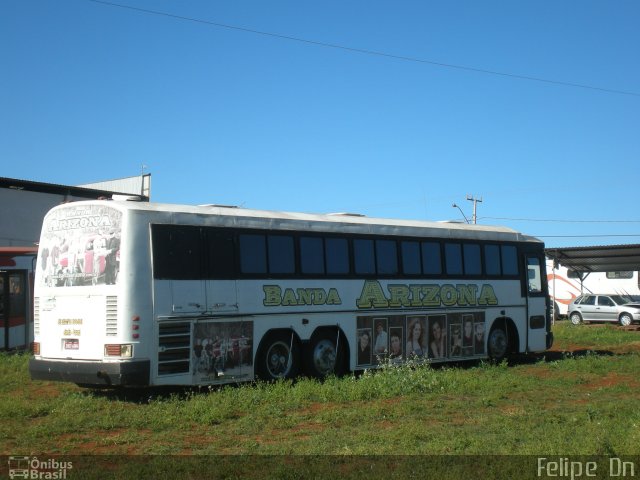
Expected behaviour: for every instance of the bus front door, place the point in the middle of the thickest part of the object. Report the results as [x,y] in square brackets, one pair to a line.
[536,303]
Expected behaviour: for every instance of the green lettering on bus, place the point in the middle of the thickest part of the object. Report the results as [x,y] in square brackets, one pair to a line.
[416,295]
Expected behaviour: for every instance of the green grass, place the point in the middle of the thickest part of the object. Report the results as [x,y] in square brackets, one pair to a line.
[582,403]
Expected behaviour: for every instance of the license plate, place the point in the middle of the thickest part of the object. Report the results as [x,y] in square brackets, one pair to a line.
[71,344]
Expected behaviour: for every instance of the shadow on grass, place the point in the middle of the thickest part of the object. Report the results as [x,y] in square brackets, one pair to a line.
[554,356]
[146,395]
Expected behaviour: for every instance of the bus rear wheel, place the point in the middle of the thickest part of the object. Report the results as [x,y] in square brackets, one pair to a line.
[325,354]
[278,356]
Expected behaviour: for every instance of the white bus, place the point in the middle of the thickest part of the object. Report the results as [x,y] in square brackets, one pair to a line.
[565,285]
[150,294]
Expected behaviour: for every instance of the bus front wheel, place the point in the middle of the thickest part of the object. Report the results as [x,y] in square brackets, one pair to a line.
[278,357]
[498,343]
[325,354]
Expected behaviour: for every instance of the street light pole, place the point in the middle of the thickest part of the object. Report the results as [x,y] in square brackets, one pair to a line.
[465,217]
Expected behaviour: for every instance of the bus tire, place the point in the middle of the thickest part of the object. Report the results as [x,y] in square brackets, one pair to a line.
[498,343]
[325,354]
[278,356]
[575,318]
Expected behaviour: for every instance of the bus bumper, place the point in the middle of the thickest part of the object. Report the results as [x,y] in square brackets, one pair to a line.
[99,374]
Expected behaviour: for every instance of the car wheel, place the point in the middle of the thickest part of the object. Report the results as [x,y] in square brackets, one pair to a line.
[625,319]
[575,318]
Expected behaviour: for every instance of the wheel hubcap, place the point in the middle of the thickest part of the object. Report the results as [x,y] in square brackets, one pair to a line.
[278,360]
[324,357]
[497,343]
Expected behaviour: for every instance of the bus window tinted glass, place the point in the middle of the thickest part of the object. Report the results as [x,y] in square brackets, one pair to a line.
[509,260]
[453,258]
[221,254]
[534,275]
[177,252]
[386,257]
[363,257]
[253,254]
[431,261]
[281,255]
[337,256]
[472,263]
[492,259]
[311,255]
[411,258]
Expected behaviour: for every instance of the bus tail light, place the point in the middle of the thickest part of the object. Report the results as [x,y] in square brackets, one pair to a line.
[117,350]
[135,326]
[36,348]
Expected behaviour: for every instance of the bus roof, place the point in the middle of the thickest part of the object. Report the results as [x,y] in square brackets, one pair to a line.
[228,216]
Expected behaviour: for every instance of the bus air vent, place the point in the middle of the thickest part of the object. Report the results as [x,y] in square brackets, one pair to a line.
[345,214]
[174,348]
[112,316]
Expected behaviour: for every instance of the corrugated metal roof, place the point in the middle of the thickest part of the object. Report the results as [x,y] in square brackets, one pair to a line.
[604,258]
[53,188]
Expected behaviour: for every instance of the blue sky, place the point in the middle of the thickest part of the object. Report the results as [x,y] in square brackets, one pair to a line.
[90,92]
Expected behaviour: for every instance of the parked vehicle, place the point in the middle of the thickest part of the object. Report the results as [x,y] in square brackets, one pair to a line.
[566,285]
[624,309]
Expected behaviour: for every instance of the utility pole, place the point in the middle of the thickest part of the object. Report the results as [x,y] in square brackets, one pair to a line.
[475,201]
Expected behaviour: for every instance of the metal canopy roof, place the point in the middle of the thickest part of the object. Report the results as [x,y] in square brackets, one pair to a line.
[607,258]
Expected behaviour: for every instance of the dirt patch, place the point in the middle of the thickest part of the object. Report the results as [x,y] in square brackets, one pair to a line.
[107,442]
[610,380]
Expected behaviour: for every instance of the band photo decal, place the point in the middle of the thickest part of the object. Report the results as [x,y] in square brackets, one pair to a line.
[80,246]
[222,350]
[442,336]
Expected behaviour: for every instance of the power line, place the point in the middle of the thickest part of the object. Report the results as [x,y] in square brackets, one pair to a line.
[559,220]
[588,236]
[368,52]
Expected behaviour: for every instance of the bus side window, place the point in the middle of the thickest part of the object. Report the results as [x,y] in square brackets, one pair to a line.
[534,275]
[281,254]
[311,256]
[411,258]
[472,263]
[253,254]
[453,258]
[431,258]
[509,260]
[337,256]
[363,256]
[492,260]
[177,252]
[222,254]
[386,257]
